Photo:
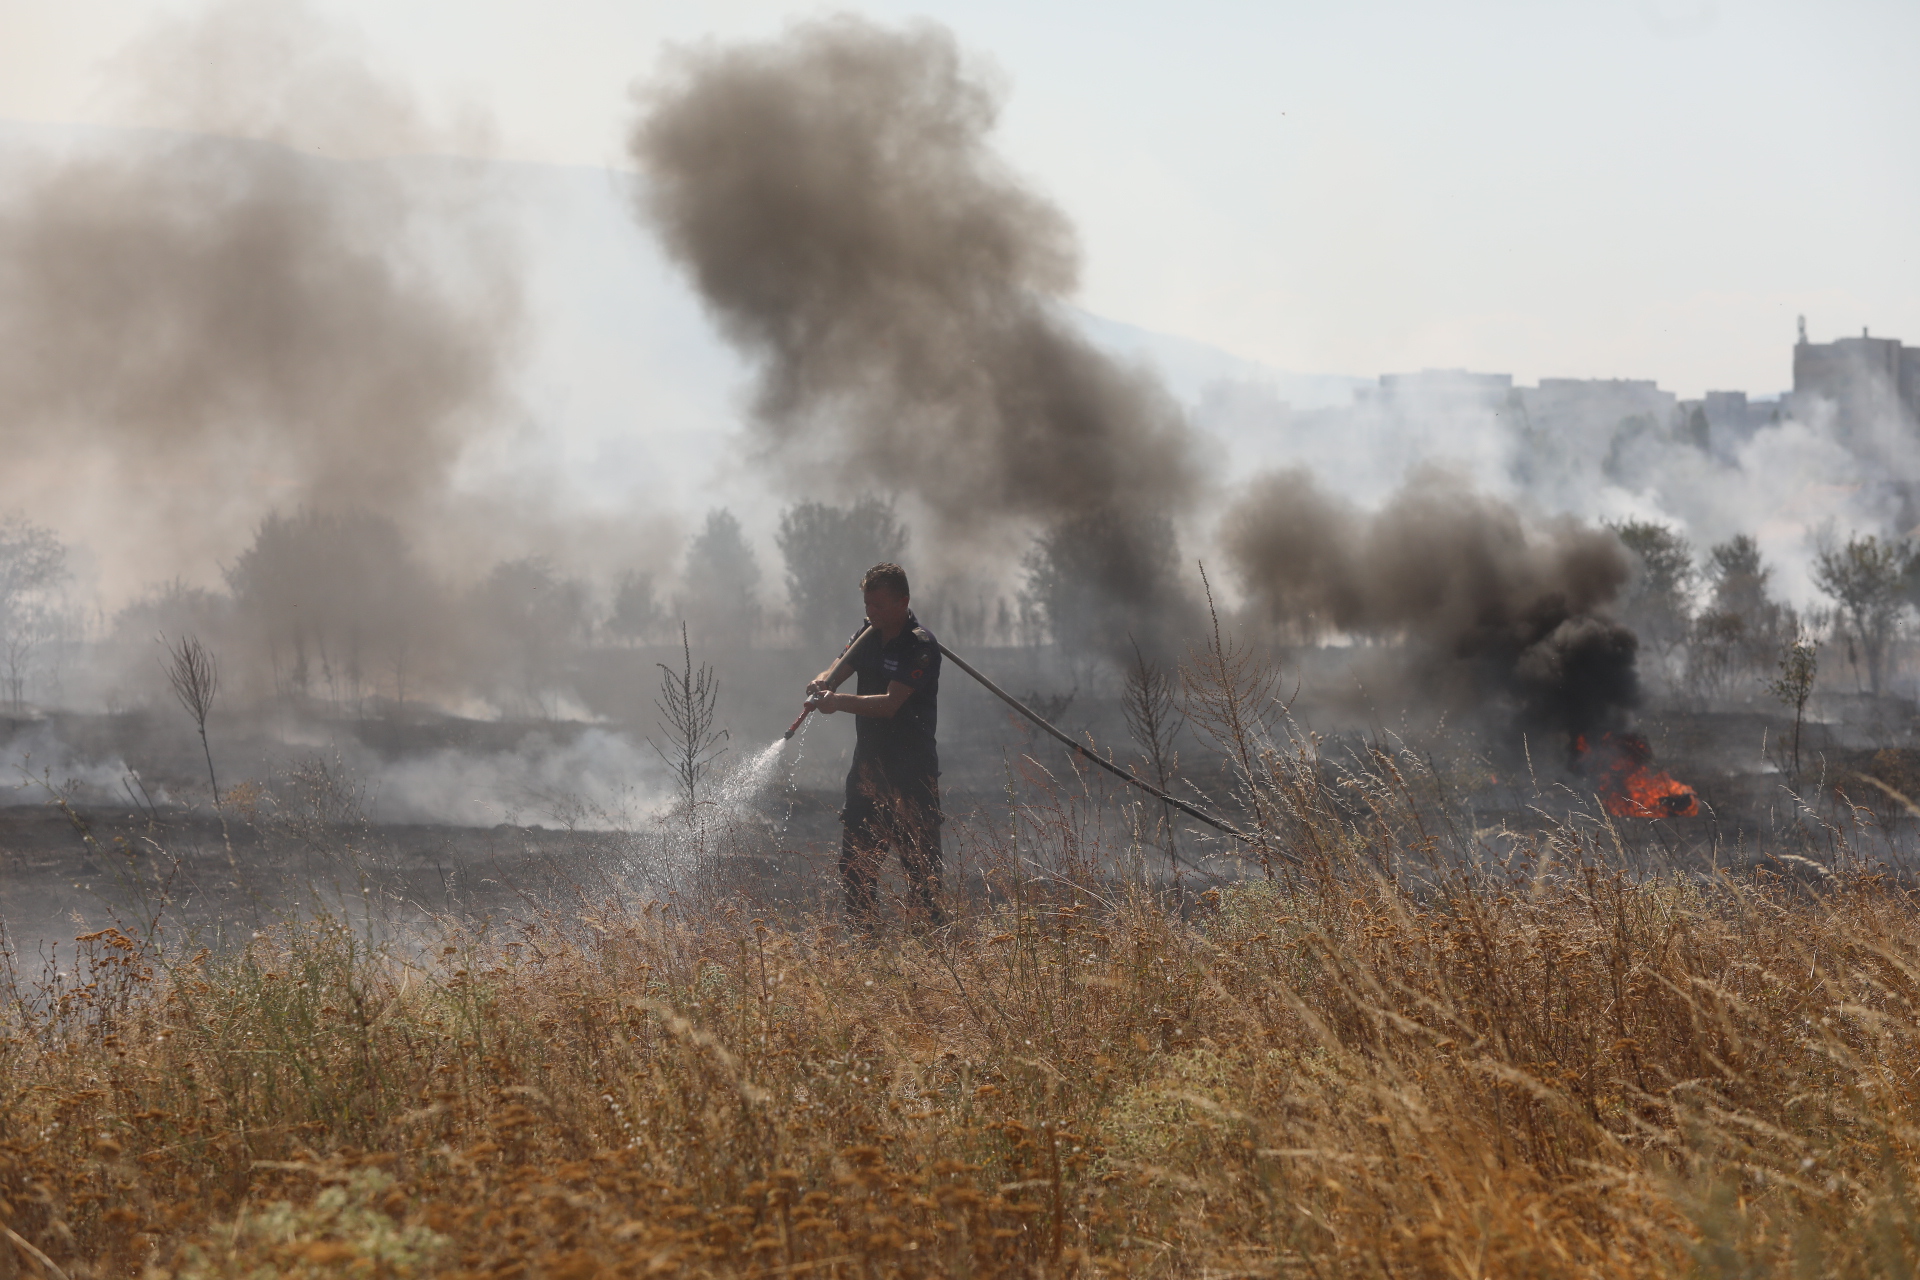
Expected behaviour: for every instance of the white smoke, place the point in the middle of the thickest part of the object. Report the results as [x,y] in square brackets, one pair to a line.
[40,769]
[600,780]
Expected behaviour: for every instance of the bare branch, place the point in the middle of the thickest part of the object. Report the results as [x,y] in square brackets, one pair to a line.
[195,677]
[687,708]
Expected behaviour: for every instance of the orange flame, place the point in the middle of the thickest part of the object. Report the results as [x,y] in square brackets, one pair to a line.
[1629,786]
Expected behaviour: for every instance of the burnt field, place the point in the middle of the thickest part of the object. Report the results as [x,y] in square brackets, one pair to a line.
[1456,969]
[303,831]
[1443,986]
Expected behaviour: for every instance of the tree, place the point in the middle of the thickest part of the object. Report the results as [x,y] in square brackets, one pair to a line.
[1150,704]
[636,609]
[338,597]
[1714,654]
[1658,602]
[1099,577]
[1867,582]
[195,678]
[722,580]
[33,568]
[826,549]
[1799,664]
[686,705]
[963,611]
[171,608]
[1742,626]
[1737,577]
[531,615]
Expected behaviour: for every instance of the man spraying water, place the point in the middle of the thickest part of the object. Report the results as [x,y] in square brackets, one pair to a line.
[893,787]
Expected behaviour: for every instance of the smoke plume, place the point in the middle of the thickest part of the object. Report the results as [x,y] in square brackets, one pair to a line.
[197,327]
[835,200]
[1497,605]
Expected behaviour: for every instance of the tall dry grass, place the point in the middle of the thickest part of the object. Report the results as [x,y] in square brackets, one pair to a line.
[1386,1053]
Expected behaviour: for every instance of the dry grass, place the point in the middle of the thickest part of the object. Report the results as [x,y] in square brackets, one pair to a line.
[1541,1067]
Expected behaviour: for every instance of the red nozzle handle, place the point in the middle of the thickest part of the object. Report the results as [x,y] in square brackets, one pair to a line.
[812,703]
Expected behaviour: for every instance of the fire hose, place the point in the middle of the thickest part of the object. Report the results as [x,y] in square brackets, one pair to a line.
[813,700]
[1216,823]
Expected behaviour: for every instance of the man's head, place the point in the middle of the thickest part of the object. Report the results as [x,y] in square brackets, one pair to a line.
[885,589]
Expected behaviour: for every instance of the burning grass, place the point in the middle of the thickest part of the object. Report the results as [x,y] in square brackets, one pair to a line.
[1543,1067]
[1621,767]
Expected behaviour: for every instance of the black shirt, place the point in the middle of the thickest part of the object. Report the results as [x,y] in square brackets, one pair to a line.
[912,658]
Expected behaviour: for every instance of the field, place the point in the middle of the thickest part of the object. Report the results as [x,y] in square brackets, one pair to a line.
[1394,1047]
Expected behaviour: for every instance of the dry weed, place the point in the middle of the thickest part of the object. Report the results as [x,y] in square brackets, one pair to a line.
[1378,1062]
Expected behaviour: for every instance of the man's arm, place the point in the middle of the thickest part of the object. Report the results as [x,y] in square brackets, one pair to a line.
[830,679]
[880,706]
[836,675]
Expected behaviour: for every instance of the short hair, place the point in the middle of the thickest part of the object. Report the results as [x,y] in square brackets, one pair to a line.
[885,574]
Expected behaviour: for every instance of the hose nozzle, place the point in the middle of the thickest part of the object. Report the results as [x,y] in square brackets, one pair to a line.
[812,704]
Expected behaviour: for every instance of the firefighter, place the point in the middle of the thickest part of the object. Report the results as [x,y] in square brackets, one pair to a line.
[893,787]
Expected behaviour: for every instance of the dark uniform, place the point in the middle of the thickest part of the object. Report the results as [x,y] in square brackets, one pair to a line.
[893,788]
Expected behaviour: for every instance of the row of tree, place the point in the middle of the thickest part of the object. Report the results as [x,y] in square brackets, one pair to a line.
[1714,627]
[825,548]
[1083,582]
[336,607]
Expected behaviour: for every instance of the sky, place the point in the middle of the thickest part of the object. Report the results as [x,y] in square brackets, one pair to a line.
[1649,189]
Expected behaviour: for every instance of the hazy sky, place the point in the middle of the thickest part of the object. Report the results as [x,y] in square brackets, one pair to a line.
[1650,188]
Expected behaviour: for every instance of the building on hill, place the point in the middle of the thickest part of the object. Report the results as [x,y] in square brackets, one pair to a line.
[1870,386]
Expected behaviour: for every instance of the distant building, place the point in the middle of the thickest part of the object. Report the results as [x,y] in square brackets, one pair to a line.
[1728,419]
[1575,427]
[1437,403]
[1733,411]
[1870,385]
[1442,399]
[1586,405]
[1440,389]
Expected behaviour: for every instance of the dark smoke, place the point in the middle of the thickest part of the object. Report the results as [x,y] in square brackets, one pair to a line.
[1499,605]
[1110,580]
[834,198]
[198,327]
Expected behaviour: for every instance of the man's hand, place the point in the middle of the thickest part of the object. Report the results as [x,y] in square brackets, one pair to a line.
[820,692]
[881,706]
